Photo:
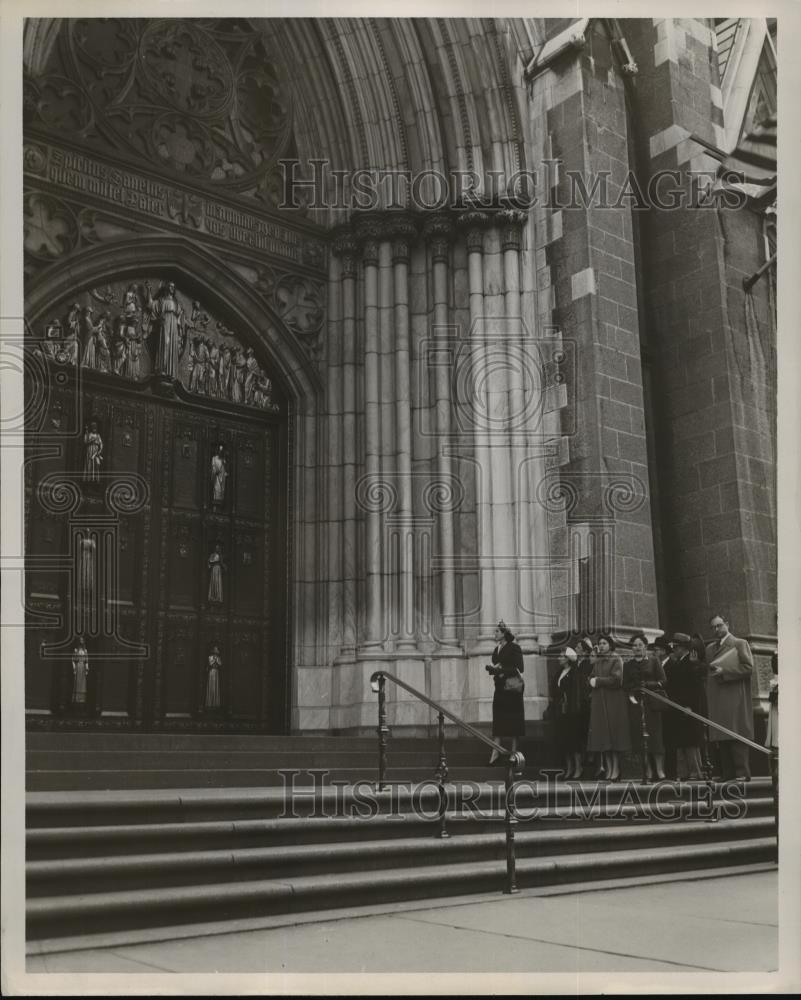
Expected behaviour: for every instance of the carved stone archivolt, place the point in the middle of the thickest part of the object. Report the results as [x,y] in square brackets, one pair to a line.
[134,330]
[201,98]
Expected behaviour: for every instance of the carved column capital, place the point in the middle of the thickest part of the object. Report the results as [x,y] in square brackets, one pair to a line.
[474,222]
[439,231]
[370,233]
[511,222]
[346,247]
[403,233]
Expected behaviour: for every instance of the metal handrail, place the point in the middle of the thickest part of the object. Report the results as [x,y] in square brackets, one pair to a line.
[514,763]
[706,722]
[439,708]
[771,752]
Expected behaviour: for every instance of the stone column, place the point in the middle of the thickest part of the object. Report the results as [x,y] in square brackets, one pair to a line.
[347,249]
[474,224]
[404,233]
[439,232]
[370,233]
[333,517]
[496,378]
[522,411]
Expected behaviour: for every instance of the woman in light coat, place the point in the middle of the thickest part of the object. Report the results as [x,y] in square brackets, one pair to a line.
[609,719]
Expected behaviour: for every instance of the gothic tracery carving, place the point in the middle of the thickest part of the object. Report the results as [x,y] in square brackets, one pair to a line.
[198,97]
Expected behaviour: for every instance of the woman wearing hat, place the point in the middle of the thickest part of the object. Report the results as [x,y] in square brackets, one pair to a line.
[573,701]
[685,684]
[508,718]
[644,671]
[609,720]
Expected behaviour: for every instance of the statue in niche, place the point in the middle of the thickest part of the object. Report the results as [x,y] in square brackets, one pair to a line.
[87,550]
[219,474]
[80,672]
[169,313]
[216,566]
[213,667]
[93,453]
[131,333]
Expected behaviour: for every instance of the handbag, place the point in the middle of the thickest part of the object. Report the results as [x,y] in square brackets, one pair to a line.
[514,683]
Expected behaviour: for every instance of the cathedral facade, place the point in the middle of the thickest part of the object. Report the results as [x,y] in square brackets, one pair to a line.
[347,338]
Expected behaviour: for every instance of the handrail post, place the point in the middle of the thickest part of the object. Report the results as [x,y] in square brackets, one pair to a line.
[510,822]
[442,777]
[645,738]
[383,732]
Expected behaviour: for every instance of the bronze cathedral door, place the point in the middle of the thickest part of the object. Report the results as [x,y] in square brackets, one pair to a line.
[156,527]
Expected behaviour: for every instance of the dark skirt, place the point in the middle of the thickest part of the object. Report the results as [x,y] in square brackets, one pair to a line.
[508,715]
[571,731]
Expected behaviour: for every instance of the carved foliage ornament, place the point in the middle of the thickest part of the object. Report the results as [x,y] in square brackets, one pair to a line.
[133,330]
[201,97]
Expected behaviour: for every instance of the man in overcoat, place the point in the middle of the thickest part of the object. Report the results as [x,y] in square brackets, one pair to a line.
[728,693]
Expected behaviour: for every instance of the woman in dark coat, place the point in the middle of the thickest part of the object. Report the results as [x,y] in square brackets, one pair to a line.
[685,686]
[645,671]
[573,710]
[508,718]
[609,719]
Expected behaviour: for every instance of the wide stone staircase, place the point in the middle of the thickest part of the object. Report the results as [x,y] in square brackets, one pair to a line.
[127,832]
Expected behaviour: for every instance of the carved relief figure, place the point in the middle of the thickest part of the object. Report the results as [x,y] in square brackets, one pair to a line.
[102,351]
[80,672]
[118,353]
[131,334]
[171,333]
[238,377]
[93,453]
[96,353]
[225,372]
[219,473]
[251,369]
[72,346]
[216,567]
[214,369]
[213,678]
[198,365]
[89,338]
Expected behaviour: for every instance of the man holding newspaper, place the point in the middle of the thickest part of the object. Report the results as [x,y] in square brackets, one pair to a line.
[728,690]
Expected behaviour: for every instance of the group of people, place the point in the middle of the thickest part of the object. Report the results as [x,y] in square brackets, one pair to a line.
[606,697]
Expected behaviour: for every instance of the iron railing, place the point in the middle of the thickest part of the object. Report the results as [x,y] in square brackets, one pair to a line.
[771,752]
[514,760]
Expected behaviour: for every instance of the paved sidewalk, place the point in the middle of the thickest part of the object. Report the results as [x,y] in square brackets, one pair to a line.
[721,924]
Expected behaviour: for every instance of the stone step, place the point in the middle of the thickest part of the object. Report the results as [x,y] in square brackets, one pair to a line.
[55,742]
[48,916]
[170,759]
[111,841]
[89,807]
[235,777]
[91,875]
